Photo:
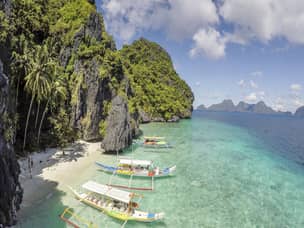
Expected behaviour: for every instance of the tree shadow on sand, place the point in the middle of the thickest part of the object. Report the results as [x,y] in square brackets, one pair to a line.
[51,158]
[41,207]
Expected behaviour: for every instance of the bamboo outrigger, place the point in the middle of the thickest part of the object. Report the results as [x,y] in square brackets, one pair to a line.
[115,203]
[80,220]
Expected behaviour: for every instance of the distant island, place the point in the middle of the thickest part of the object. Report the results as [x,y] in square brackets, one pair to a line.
[259,108]
[300,112]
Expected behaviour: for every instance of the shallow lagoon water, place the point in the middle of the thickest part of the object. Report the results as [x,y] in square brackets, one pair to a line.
[227,176]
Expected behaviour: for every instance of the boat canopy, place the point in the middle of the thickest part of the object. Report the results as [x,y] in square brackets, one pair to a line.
[133,162]
[108,191]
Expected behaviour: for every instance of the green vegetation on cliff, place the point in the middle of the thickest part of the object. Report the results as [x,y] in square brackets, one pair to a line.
[64,64]
[56,45]
[158,89]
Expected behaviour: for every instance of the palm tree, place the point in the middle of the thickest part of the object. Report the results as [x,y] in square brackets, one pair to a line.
[20,62]
[58,90]
[38,79]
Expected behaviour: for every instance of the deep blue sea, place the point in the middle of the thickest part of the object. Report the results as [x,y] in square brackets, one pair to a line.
[284,134]
[233,170]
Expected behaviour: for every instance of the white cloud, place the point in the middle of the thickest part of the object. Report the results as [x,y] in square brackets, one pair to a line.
[280,104]
[279,107]
[261,95]
[241,83]
[298,102]
[197,83]
[208,42]
[252,97]
[185,18]
[265,20]
[179,19]
[258,20]
[296,87]
[256,73]
[253,84]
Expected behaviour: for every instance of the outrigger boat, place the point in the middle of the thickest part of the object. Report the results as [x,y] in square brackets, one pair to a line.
[114,202]
[155,142]
[136,168]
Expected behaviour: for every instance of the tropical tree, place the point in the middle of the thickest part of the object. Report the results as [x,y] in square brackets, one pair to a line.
[62,130]
[58,90]
[38,79]
[20,61]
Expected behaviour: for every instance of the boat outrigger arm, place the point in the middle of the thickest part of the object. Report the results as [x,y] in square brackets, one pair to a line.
[72,215]
[154,137]
[129,186]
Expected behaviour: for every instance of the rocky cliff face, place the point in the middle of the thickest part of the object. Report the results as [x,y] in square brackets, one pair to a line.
[300,112]
[87,109]
[225,106]
[95,93]
[97,102]
[260,108]
[118,133]
[10,189]
[201,107]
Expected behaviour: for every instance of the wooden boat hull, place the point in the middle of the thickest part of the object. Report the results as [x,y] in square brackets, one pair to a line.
[138,216]
[158,145]
[110,169]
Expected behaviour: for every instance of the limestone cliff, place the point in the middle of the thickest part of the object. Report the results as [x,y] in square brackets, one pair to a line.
[10,189]
[118,131]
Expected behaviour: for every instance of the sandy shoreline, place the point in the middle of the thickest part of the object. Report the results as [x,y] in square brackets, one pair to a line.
[54,171]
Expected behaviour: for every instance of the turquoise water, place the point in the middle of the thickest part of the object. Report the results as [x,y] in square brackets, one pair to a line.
[226,177]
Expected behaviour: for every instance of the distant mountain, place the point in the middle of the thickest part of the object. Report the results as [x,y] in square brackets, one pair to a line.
[262,108]
[244,107]
[300,112]
[225,106]
[202,108]
[228,106]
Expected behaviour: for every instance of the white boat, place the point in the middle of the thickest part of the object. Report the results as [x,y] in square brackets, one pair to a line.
[135,167]
[114,202]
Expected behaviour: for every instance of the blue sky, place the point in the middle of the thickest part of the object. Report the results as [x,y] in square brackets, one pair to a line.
[234,49]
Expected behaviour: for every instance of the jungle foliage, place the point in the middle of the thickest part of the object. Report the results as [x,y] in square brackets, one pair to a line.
[158,89]
[47,90]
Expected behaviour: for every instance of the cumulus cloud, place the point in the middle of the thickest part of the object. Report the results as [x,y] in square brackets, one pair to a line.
[265,19]
[258,20]
[241,83]
[298,102]
[256,73]
[279,104]
[184,18]
[261,95]
[252,97]
[208,42]
[179,19]
[253,84]
[296,87]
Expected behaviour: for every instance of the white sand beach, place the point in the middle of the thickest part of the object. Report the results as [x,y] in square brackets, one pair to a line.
[54,170]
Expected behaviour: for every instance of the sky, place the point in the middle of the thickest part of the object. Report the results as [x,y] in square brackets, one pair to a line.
[242,50]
